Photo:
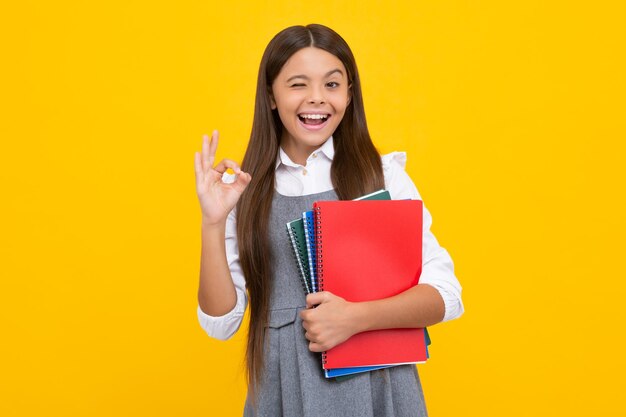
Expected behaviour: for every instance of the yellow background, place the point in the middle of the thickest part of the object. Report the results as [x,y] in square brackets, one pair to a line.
[512,114]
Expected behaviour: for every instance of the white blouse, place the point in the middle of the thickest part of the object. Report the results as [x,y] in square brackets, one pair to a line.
[296,180]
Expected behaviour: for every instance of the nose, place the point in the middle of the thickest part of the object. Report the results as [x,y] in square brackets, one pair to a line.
[316,100]
[316,96]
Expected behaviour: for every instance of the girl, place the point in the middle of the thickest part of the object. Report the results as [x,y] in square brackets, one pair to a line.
[309,142]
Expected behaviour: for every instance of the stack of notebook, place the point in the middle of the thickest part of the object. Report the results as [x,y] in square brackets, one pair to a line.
[363,250]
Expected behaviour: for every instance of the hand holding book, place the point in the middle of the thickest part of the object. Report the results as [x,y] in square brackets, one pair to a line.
[333,321]
[368,264]
[370,251]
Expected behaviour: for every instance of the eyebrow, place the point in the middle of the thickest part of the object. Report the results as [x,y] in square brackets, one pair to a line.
[328,74]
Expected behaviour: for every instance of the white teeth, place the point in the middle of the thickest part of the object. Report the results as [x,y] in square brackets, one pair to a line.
[314,116]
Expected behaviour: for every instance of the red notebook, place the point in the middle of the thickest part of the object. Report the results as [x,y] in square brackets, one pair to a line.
[368,250]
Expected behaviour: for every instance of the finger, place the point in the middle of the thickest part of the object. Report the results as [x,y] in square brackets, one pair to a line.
[316,347]
[198,166]
[242,181]
[226,164]
[213,147]
[307,315]
[205,153]
[303,316]
[315,298]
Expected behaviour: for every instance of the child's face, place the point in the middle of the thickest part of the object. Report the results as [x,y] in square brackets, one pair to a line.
[311,93]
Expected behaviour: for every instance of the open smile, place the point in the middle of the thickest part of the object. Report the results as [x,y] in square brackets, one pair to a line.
[313,121]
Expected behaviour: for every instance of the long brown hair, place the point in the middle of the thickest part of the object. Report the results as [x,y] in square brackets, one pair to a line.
[356,170]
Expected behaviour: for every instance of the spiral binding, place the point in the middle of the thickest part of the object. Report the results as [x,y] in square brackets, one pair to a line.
[296,248]
[319,247]
[320,266]
[309,234]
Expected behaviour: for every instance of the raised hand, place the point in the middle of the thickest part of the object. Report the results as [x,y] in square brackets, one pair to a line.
[216,197]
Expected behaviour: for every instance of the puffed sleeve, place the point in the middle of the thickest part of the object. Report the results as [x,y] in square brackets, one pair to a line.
[224,327]
[437,266]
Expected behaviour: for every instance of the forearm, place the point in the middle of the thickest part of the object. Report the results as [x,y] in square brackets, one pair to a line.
[419,306]
[216,291]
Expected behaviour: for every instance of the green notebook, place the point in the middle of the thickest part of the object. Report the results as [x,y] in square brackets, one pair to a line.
[295,229]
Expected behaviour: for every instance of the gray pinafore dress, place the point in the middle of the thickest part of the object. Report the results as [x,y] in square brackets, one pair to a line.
[294,384]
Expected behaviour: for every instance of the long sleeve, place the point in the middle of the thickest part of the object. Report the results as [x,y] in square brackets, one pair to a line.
[437,266]
[296,180]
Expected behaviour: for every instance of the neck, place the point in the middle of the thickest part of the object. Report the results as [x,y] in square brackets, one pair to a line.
[298,153]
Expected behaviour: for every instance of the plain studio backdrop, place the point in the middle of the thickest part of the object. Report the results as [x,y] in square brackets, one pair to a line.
[512,114]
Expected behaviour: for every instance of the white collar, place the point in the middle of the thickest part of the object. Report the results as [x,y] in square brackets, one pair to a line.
[327,149]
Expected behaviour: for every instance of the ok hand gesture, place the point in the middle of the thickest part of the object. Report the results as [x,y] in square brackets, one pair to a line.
[216,197]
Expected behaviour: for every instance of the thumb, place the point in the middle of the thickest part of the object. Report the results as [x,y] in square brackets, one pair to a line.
[317,298]
[242,181]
